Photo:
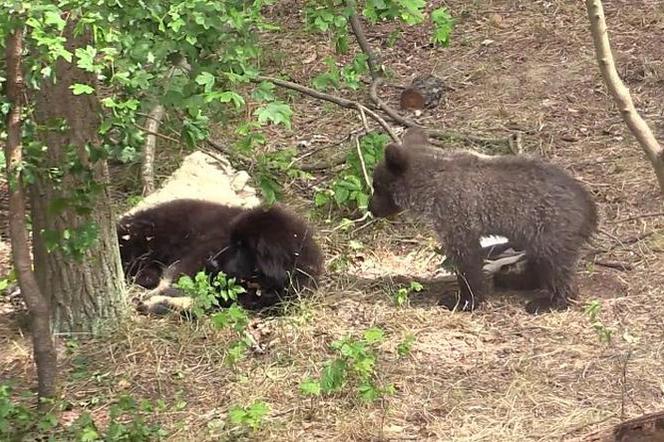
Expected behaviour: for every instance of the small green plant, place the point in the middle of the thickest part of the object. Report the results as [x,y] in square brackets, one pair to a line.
[354,364]
[349,75]
[15,419]
[236,318]
[250,417]
[404,348]
[6,281]
[593,310]
[270,166]
[443,26]
[350,188]
[402,295]
[206,292]
[126,422]
[133,200]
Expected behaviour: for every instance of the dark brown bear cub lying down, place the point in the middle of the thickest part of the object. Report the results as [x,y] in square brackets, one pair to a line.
[270,251]
[537,205]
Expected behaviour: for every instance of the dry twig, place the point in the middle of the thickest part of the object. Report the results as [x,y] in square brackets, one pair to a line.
[435,133]
[364,167]
[348,104]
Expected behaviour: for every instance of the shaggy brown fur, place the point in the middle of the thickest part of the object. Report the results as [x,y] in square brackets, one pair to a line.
[270,251]
[538,206]
[154,239]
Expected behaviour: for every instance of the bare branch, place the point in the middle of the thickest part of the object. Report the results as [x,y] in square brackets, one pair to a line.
[43,346]
[152,128]
[620,93]
[435,133]
[358,30]
[157,134]
[364,167]
[348,104]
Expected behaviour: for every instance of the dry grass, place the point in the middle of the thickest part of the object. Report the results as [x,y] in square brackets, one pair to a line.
[496,374]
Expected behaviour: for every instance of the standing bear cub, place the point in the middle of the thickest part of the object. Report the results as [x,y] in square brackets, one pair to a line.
[538,206]
[269,250]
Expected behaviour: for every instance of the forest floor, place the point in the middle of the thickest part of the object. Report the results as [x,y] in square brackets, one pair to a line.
[497,374]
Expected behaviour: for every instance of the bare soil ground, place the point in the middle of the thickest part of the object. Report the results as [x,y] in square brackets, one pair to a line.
[495,374]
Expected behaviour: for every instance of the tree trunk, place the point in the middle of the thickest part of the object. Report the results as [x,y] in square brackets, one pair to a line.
[620,93]
[88,287]
[42,342]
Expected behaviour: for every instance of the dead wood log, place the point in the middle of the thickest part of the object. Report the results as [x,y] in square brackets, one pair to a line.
[424,92]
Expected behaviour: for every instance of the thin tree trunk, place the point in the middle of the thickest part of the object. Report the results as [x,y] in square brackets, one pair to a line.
[620,93]
[43,346]
[147,169]
[84,291]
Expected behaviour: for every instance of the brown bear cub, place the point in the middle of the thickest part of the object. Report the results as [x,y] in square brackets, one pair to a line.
[538,206]
[269,250]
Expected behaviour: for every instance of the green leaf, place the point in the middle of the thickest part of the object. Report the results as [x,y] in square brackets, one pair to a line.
[80,89]
[443,26]
[225,97]
[368,392]
[275,112]
[333,376]
[86,59]
[206,80]
[54,18]
[321,199]
[310,387]
[341,195]
[374,335]
[406,345]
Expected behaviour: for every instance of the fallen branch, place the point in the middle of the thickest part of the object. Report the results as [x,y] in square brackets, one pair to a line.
[42,341]
[152,128]
[635,217]
[348,104]
[435,133]
[620,93]
[623,266]
[323,166]
[356,27]
[618,243]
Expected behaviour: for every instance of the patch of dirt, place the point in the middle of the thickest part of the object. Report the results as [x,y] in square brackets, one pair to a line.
[495,374]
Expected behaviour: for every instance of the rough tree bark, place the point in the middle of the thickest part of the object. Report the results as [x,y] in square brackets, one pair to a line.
[42,342]
[81,292]
[147,168]
[620,93]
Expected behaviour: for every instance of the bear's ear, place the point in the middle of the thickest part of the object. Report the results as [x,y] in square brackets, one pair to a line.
[396,159]
[415,136]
